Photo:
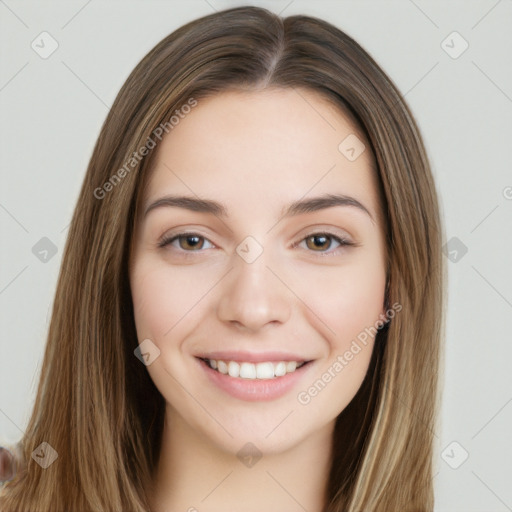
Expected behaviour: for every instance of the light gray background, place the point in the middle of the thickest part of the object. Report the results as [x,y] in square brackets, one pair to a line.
[52,110]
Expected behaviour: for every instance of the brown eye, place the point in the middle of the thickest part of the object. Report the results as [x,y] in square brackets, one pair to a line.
[191,242]
[186,242]
[322,242]
[317,242]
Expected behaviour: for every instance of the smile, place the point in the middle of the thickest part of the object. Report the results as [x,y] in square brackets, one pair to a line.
[254,376]
[245,370]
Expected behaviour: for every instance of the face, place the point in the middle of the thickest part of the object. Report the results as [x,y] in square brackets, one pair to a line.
[240,278]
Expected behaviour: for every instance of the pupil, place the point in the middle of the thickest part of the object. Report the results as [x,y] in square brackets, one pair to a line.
[320,240]
[194,239]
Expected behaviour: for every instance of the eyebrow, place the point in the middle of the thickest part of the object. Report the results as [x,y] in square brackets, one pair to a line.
[296,208]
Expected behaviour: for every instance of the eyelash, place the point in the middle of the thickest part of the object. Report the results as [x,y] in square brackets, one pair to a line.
[167,240]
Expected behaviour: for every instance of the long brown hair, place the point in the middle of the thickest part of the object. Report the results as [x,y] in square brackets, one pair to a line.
[96,404]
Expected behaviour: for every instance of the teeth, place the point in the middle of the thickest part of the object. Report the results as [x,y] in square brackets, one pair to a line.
[291,366]
[267,370]
[281,369]
[264,370]
[221,366]
[247,371]
[233,369]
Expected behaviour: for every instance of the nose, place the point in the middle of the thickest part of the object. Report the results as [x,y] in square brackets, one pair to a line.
[252,297]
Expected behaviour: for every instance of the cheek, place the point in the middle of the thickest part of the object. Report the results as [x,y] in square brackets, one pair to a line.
[346,299]
[169,302]
[161,298]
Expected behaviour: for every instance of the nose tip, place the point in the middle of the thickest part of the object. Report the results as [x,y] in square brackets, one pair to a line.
[253,321]
[253,298]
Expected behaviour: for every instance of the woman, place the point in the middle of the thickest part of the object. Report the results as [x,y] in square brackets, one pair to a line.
[250,306]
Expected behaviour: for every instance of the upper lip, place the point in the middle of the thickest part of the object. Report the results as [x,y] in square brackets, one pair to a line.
[251,357]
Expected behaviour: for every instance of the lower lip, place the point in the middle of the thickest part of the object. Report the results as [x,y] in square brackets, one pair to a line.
[254,390]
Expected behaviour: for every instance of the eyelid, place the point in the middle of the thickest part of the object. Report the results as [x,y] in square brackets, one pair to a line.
[167,239]
[326,230]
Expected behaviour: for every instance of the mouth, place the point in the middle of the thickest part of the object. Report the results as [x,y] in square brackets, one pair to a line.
[267,370]
[254,376]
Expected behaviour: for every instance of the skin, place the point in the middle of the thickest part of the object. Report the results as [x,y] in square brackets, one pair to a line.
[256,152]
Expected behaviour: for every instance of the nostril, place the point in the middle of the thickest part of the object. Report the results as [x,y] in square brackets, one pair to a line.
[7,465]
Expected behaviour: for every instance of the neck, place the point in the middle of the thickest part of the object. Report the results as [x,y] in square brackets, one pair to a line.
[195,475]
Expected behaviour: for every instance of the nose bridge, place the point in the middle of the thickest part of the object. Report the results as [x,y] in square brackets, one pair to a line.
[252,295]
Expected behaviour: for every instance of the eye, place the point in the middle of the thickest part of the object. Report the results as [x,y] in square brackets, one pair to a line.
[188,242]
[193,242]
[321,242]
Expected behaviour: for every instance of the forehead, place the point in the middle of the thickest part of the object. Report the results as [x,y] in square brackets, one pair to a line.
[275,146]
